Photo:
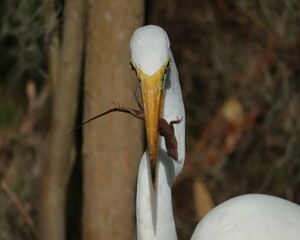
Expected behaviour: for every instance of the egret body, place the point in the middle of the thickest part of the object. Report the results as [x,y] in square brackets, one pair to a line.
[255,217]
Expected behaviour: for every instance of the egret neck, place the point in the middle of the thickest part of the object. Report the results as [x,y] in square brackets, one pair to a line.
[152,56]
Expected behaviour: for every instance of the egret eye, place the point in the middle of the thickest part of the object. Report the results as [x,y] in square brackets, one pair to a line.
[168,65]
[132,68]
[166,70]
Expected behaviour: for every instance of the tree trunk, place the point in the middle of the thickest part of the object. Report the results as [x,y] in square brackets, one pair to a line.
[51,20]
[58,164]
[113,144]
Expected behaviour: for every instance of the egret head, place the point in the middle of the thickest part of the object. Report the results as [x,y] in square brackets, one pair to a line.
[150,59]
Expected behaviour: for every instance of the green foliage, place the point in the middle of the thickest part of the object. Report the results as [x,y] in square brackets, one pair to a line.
[22,32]
[23,55]
[8,114]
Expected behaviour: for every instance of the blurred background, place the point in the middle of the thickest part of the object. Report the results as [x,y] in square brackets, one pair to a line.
[239,68]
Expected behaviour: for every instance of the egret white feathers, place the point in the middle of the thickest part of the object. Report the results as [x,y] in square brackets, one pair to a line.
[255,217]
[149,48]
[251,217]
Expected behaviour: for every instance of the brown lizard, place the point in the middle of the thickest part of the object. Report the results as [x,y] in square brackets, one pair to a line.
[165,129]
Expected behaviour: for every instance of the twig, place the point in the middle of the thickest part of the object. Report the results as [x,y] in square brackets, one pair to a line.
[245,21]
[14,199]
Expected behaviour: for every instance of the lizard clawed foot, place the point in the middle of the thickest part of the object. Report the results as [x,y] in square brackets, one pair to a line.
[177,121]
[117,105]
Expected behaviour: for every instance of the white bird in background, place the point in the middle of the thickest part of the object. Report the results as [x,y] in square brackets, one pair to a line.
[251,216]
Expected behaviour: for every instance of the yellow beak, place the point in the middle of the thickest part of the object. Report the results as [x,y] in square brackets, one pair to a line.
[152,92]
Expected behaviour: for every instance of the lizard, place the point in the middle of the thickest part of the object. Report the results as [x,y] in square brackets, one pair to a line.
[165,129]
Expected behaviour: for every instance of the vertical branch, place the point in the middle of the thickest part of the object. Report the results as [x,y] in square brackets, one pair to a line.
[57,166]
[113,145]
[54,47]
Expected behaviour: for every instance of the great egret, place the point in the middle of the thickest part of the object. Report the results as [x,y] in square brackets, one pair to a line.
[246,217]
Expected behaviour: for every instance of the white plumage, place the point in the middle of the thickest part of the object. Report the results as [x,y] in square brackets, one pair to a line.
[251,217]
[149,48]
[254,217]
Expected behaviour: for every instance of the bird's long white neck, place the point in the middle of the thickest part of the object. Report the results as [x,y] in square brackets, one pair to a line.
[162,225]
